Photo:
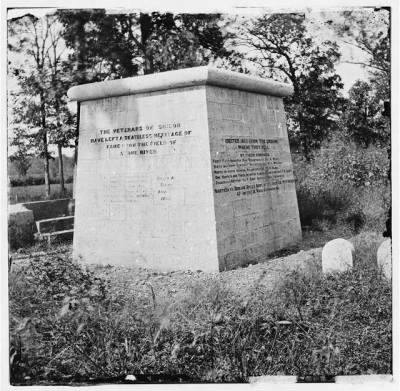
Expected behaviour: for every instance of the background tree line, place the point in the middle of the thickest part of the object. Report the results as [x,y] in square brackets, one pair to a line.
[49,55]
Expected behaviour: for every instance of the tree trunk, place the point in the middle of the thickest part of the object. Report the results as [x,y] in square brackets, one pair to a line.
[45,145]
[145,33]
[61,170]
[46,165]
[76,150]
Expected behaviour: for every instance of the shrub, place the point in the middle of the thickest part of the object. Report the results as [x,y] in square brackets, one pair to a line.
[42,295]
[343,184]
[328,202]
[36,181]
[27,181]
[366,245]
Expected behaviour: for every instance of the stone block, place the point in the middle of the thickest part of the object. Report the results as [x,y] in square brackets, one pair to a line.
[48,209]
[337,256]
[20,226]
[177,171]
[384,258]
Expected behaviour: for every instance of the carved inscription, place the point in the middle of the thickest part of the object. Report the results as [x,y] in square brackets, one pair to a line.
[134,188]
[140,140]
[134,142]
[250,165]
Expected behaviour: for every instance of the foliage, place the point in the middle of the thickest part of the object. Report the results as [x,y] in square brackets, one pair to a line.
[41,294]
[363,116]
[22,157]
[368,30]
[39,107]
[344,184]
[284,50]
[36,168]
[142,42]
[67,324]
[35,181]
[340,159]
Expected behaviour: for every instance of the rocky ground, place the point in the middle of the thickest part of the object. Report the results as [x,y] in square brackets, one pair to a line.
[167,285]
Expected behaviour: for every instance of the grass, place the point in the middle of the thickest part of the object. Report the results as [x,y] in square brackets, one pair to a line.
[68,324]
[36,193]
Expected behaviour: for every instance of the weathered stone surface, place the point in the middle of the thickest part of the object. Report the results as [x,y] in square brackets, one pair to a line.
[384,258]
[254,195]
[183,78]
[195,177]
[337,256]
[20,226]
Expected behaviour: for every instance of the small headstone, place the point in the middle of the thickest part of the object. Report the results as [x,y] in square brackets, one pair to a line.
[20,226]
[384,257]
[337,256]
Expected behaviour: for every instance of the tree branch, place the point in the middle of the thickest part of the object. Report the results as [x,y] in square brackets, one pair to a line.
[365,65]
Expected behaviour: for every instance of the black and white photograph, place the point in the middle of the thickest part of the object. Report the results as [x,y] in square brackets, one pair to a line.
[200,195]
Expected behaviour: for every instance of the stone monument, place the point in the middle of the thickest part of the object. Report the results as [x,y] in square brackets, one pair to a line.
[186,169]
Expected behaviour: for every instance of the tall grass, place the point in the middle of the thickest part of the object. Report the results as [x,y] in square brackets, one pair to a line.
[66,323]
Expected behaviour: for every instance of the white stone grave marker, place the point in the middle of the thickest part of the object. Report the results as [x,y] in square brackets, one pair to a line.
[384,258]
[337,256]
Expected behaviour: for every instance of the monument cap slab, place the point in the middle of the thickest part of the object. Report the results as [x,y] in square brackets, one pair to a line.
[189,77]
[187,169]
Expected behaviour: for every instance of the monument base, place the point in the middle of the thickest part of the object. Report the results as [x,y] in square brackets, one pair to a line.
[188,169]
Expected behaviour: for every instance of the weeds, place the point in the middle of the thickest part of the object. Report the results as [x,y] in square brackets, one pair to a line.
[66,323]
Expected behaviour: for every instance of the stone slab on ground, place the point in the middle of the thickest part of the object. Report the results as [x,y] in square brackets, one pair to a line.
[56,224]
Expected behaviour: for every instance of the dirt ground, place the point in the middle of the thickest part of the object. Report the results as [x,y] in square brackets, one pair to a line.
[166,285]
[242,281]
